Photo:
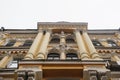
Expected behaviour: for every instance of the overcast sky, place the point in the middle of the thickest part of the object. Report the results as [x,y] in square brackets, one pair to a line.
[100,14]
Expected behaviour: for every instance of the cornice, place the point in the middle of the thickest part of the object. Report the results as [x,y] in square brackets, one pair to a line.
[62,25]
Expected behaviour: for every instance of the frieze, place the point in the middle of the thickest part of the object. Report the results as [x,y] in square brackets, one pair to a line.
[62,25]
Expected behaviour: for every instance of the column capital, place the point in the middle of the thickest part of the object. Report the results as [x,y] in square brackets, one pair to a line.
[49,30]
[40,30]
[76,30]
[40,56]
[84,31]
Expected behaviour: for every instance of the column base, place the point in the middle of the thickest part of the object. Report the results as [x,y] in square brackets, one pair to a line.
[95,55]
[29,56]
[40,56]
[84,56]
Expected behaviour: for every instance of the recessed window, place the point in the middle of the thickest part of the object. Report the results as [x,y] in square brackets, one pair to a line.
[96,43]
[11,43]
[13,64]
[70,39]
[53,56]
[27,43]
[71,56]
[55,40]
[111,43]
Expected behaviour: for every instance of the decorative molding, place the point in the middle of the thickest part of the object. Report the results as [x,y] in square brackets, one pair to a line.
[62,25]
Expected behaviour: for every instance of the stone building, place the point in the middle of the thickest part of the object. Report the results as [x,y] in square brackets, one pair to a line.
[59,51]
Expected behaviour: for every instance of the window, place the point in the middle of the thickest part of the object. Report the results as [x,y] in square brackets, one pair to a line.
[71,56]
[13,64]
[70,39]
[96,43]
[111,43]
[11,43]
[27,43]
[55,40]
[53,56]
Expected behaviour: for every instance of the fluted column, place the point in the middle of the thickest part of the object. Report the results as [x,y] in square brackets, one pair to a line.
[90,46]
[44,44]
[5,61]
[81,45]
[34,47]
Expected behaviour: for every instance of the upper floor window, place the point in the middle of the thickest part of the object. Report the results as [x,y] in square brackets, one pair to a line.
[53,56]
[27,43]
[55,40]
[96,43]
[11,43]
[12,64]
[70,39]
[71,56]
[111,43]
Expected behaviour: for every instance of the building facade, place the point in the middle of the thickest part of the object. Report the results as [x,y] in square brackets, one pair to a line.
[59,51]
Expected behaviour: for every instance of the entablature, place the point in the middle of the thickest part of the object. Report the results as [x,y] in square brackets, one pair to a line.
[62,25]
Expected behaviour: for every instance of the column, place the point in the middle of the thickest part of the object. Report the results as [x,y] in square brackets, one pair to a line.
[117,35]
[81,45]
[1,42]
[43,47]
[3,38]
[34,47]
[5,61]
[116,58]
[62,56]
[62,42]
[18,43]
[104,43]
[90,46]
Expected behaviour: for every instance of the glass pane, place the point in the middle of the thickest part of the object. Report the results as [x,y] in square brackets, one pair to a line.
[74,58]
[56,58]
[69,58]
[11,43]
[13,64]
[50,58]
[28,43]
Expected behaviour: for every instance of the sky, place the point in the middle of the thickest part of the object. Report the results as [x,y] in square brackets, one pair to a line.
[24,14]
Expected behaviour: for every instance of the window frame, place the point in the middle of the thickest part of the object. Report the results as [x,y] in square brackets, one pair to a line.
[53,56]
[71,56]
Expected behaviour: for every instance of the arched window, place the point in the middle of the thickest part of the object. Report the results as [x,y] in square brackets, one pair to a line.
[55,39]
[111,43]
[96,43]
[71,56]
[53,56]
[27,43]
[70,39]
[11,43]
[13,64]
